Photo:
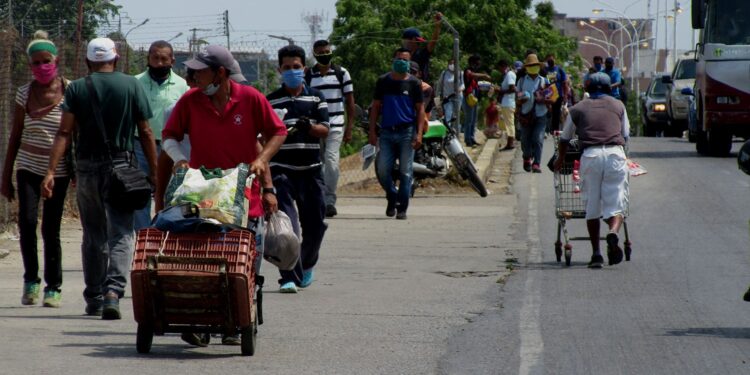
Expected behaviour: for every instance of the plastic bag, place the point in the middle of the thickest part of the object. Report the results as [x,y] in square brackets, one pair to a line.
[635,169]
[219,194]
[281,245]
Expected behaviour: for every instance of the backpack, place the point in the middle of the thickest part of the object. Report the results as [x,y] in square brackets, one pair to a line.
[336,70]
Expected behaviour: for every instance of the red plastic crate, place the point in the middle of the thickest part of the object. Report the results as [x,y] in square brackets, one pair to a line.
[237,247]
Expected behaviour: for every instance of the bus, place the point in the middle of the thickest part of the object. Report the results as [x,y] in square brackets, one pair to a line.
[722,81]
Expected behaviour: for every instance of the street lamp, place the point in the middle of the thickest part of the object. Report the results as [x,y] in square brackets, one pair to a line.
[608,44]
[584,23]
[175,37]
[288,39]
[126,66]
[135,27]
[596,45]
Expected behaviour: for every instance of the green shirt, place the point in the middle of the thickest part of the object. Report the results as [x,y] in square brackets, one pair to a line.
[123,104]
[161,97]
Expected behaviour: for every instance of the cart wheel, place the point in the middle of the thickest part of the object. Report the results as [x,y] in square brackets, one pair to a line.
[558,252]
[568,253]
[249,335]
[628,250]
[144,338]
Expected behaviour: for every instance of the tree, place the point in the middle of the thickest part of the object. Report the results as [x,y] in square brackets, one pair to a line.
[366,33]
[60,16]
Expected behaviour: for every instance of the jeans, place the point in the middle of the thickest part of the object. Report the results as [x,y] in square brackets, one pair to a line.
[108,236]
[29,193]
[329,153]
[470,123]
[448,112]
[142,217]
[395,144]
[532,139]
[555,116]
[303,189]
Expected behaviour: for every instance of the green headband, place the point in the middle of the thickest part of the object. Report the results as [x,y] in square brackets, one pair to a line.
[41,45]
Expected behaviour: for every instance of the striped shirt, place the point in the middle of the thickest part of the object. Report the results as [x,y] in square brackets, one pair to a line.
[334,92]
[299,151]
[37,137]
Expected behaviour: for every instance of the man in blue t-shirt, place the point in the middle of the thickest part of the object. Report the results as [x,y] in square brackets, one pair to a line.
[398,97]
[614,76]
[556,75]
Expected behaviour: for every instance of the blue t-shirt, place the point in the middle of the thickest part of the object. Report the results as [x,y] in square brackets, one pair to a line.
[614,77]
[398,99]
[557,75]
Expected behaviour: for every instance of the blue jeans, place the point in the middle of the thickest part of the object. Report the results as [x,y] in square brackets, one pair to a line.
[448,113]
[395,144]
[108,236]
[532,139]
[142,217]
[300,196]
[470,123]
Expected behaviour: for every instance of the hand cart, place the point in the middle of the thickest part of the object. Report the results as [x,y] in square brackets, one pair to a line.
[198,283]
[569,203]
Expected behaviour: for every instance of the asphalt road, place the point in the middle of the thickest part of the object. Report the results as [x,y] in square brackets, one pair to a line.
[676,308]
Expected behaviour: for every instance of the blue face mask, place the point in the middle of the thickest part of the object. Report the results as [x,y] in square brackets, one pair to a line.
[293,78]
[598,67]
[401,66]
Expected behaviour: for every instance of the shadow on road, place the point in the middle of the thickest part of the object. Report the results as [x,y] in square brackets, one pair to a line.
[723,332]
[554,266]
[158,351]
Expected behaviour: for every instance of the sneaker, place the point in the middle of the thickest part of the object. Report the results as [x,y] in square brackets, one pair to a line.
[307,278]
[527,165]
[535,168]
[196,339]
[51,298]
[30,293]
[614,252]
[231,339]
[401,215]
[597,261]
[94,308]
[390,209]
[331,210]
[288,287]
[111,306]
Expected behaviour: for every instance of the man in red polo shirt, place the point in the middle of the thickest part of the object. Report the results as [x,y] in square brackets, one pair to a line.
[223,120]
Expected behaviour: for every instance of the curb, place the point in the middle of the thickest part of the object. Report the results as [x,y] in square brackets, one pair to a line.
[486,159]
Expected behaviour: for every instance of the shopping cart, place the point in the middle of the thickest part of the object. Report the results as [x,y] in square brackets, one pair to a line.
[569,203]
[198,283]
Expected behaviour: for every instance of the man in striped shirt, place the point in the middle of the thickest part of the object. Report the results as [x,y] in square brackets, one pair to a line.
[296,167]
[336,85]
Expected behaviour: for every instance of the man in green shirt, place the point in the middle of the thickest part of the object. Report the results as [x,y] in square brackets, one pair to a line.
[163,88]
[108,234]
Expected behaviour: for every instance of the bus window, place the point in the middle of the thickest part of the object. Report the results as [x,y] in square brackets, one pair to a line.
[727,22]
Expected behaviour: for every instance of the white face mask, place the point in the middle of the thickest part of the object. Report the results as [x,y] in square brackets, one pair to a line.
[450,67]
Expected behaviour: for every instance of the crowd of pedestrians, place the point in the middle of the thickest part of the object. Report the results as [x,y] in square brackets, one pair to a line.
[212,118]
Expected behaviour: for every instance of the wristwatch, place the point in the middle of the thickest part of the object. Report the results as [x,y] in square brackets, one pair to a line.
[271,190]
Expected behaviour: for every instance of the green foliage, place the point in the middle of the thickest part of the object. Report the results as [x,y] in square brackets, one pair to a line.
[35,15]
[365,33]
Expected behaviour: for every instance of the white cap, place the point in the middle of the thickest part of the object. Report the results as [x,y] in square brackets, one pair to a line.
[101,50]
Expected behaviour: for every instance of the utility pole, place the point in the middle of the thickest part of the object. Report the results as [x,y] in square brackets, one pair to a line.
[194,43]
[10,12]
[674,34]
[314,22]
[226,27]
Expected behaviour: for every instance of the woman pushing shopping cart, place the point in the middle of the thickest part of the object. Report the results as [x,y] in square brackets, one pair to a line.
[598,187]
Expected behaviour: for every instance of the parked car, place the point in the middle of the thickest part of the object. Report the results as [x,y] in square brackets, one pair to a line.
[683,76]
[654,108]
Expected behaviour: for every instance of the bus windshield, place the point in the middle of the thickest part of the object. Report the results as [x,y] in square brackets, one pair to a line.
[727,22]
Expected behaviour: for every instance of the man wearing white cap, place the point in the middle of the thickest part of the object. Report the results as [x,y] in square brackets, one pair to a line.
[108,233]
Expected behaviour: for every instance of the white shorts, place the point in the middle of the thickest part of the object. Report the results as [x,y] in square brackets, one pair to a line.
[604,181]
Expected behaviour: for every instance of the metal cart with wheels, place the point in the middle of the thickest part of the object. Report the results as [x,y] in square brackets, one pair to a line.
[569,205]
[198,283]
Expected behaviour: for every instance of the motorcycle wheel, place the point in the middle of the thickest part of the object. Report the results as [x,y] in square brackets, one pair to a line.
[468,172]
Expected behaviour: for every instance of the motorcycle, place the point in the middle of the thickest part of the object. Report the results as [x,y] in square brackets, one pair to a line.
[441,149]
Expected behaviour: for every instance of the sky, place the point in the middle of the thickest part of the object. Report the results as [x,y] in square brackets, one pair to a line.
[251,21]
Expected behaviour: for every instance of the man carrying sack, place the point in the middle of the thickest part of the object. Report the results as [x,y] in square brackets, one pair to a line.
[104,110]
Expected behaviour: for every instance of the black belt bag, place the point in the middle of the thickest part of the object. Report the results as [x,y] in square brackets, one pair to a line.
[129,187]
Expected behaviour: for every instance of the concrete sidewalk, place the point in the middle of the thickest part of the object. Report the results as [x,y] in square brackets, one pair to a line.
[388,296]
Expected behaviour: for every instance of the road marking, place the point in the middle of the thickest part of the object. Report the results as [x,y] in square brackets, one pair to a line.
[532,345]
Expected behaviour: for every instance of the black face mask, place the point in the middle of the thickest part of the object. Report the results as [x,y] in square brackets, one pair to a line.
[551,63]
[324,59]
[160,72]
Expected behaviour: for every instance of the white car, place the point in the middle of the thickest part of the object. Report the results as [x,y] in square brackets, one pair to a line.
[683,76]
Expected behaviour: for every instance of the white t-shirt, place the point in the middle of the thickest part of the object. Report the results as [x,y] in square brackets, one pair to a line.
[509,99]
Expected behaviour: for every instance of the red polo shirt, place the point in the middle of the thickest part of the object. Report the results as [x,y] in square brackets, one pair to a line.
[228,139]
